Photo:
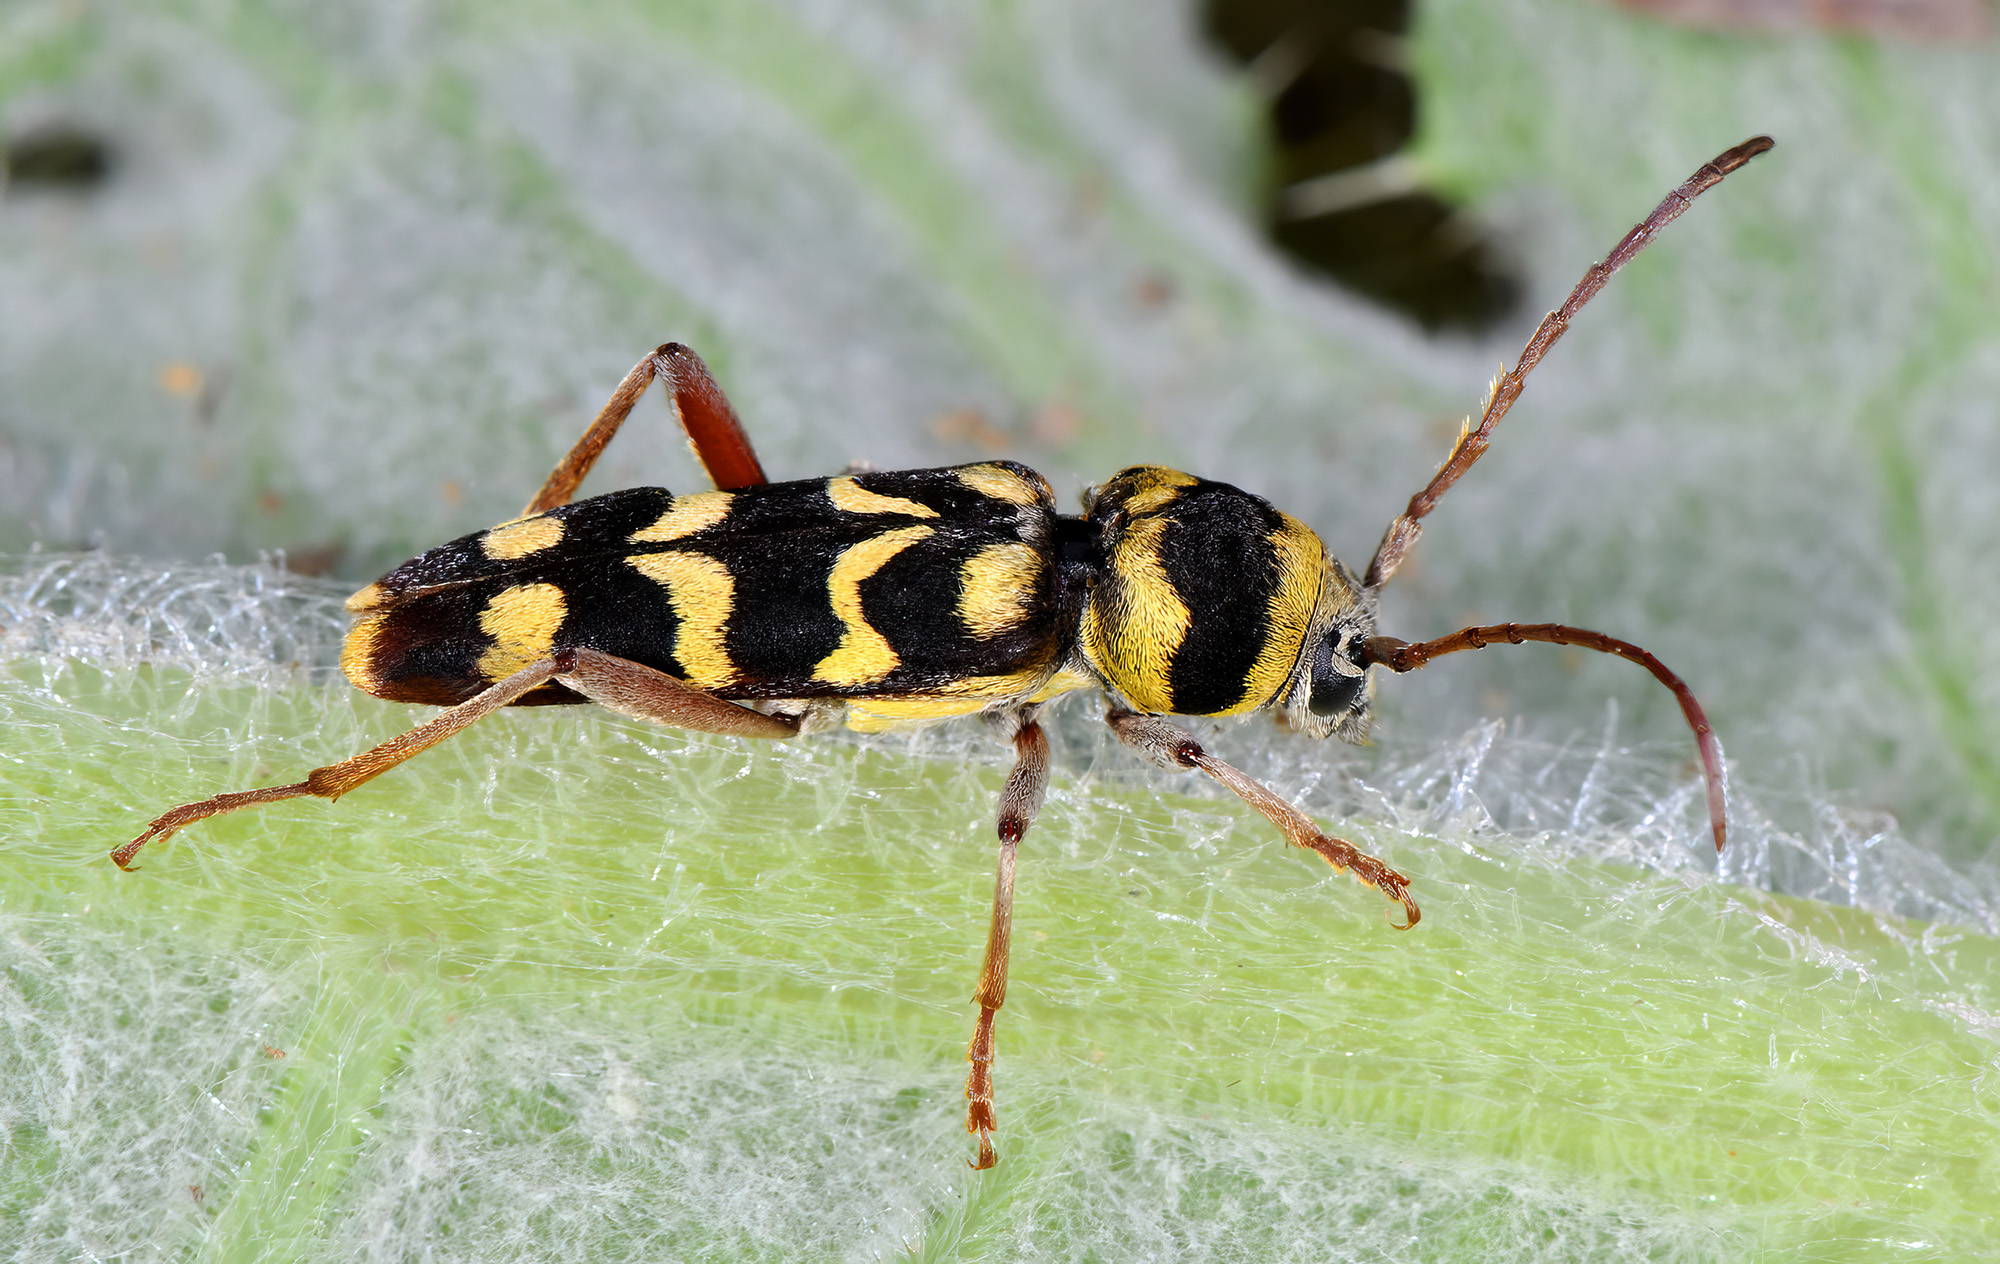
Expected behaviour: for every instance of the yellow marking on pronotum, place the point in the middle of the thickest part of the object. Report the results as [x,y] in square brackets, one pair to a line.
[521,537]
[863,655]
[522,621]
[851,497]
[1132,639]
[368,598]
[998,587]
[687,515]
[703,595]
[1288,615]
[1158,488]
[1001,483]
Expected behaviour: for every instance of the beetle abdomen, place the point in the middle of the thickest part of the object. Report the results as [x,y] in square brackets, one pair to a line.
[914,582]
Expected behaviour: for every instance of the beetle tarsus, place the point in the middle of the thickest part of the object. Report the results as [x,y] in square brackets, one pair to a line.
[979,1117]
[1173,748]
[1342,854]
[168,823]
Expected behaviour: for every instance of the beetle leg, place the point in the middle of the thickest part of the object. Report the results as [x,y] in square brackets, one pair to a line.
[713,429]
[643,693]
[631,688]
[335,780]
[1020,801]
[1175,748]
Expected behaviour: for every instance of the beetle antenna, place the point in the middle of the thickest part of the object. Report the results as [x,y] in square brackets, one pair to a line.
[1403,532]
[1402,656]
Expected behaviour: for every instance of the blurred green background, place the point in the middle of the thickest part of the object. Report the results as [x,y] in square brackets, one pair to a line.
[569,988]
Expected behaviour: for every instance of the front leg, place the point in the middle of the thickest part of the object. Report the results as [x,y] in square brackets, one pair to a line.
[1020,801]
[1175,748]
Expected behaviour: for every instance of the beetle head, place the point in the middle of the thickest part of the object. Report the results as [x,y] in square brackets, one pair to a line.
[1330,691]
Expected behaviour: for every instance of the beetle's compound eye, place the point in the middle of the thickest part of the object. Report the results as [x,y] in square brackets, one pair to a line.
[1338,682]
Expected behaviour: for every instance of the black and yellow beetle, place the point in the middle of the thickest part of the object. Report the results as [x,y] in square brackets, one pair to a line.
[772,609]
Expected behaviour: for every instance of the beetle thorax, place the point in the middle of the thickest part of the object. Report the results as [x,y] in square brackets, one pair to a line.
[1206,600]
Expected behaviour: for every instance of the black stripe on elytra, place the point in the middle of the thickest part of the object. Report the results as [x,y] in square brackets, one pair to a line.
[783,622]
[913,601]
[427,649]
[619,611]
[592,526]
[955,502]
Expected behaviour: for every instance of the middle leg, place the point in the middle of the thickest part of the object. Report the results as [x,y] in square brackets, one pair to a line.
[1020,801]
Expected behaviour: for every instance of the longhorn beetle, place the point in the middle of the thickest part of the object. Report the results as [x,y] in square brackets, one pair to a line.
[767,609]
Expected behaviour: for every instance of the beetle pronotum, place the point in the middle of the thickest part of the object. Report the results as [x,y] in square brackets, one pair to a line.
[766,609]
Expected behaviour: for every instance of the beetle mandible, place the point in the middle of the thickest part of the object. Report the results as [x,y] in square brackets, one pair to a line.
[767,609]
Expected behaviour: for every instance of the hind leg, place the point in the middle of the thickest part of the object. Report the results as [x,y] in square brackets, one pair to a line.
[631,688]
